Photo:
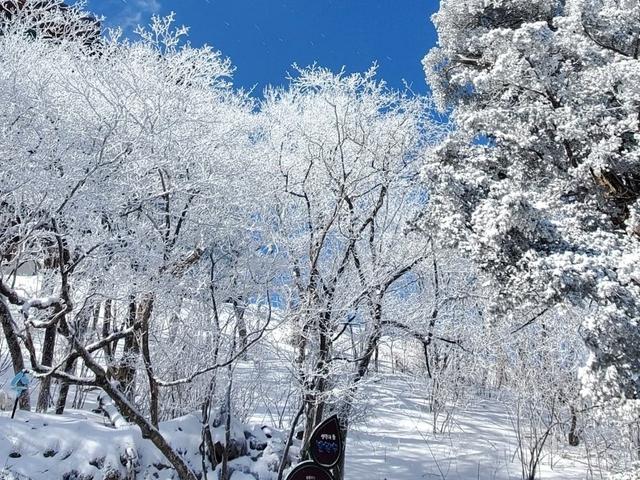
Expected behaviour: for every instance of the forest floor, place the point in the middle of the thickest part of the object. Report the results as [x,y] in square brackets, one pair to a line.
[392,439]
[396,441]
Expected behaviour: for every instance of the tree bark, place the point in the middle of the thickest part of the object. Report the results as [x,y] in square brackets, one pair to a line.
[48,350]
[61,402]
[13,344]
[239,309]
[126,371]
[574,439]
[207,449]
[70,364]
[144,314]
[224,471]
[318,385]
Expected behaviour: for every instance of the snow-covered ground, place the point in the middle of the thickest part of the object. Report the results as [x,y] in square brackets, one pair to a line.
[393,441]
[82,445]
[397,443]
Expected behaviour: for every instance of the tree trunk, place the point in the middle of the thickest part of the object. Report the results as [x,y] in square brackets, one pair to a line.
[285,453]
[318,385]
[14,348]
[207,449]
[309,416]
[70,364]
[239,309]
[574,439]
[126,371]
[61,402]
[48,350]
[106,331]
[224,471]
[144,314]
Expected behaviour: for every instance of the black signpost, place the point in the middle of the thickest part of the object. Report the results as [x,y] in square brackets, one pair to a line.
[325,444]
[309,471]
[325,448]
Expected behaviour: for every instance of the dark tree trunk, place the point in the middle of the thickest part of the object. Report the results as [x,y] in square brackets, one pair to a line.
[574,439]
[224,471]
[48,350]
[126,371]
[61,402]
[318,385]
[146,307]
[207,449]
[14,348]
[70,364]
[106,330]
[239,309]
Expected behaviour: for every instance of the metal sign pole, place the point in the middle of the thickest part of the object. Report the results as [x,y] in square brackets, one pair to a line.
[15,404]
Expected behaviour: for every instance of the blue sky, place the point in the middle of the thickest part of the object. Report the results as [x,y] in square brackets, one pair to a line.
[264,38]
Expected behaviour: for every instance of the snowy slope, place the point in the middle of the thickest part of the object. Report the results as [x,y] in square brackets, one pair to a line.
[396,442]
[81,446]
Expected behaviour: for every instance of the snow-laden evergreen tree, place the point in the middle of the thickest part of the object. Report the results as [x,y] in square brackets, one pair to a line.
[540,181]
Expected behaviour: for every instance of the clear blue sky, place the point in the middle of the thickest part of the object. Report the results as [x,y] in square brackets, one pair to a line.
[264,38]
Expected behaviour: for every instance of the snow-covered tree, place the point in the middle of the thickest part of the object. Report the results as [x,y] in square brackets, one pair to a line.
[123,179]
[53,20]
[540,181]
[343,155]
